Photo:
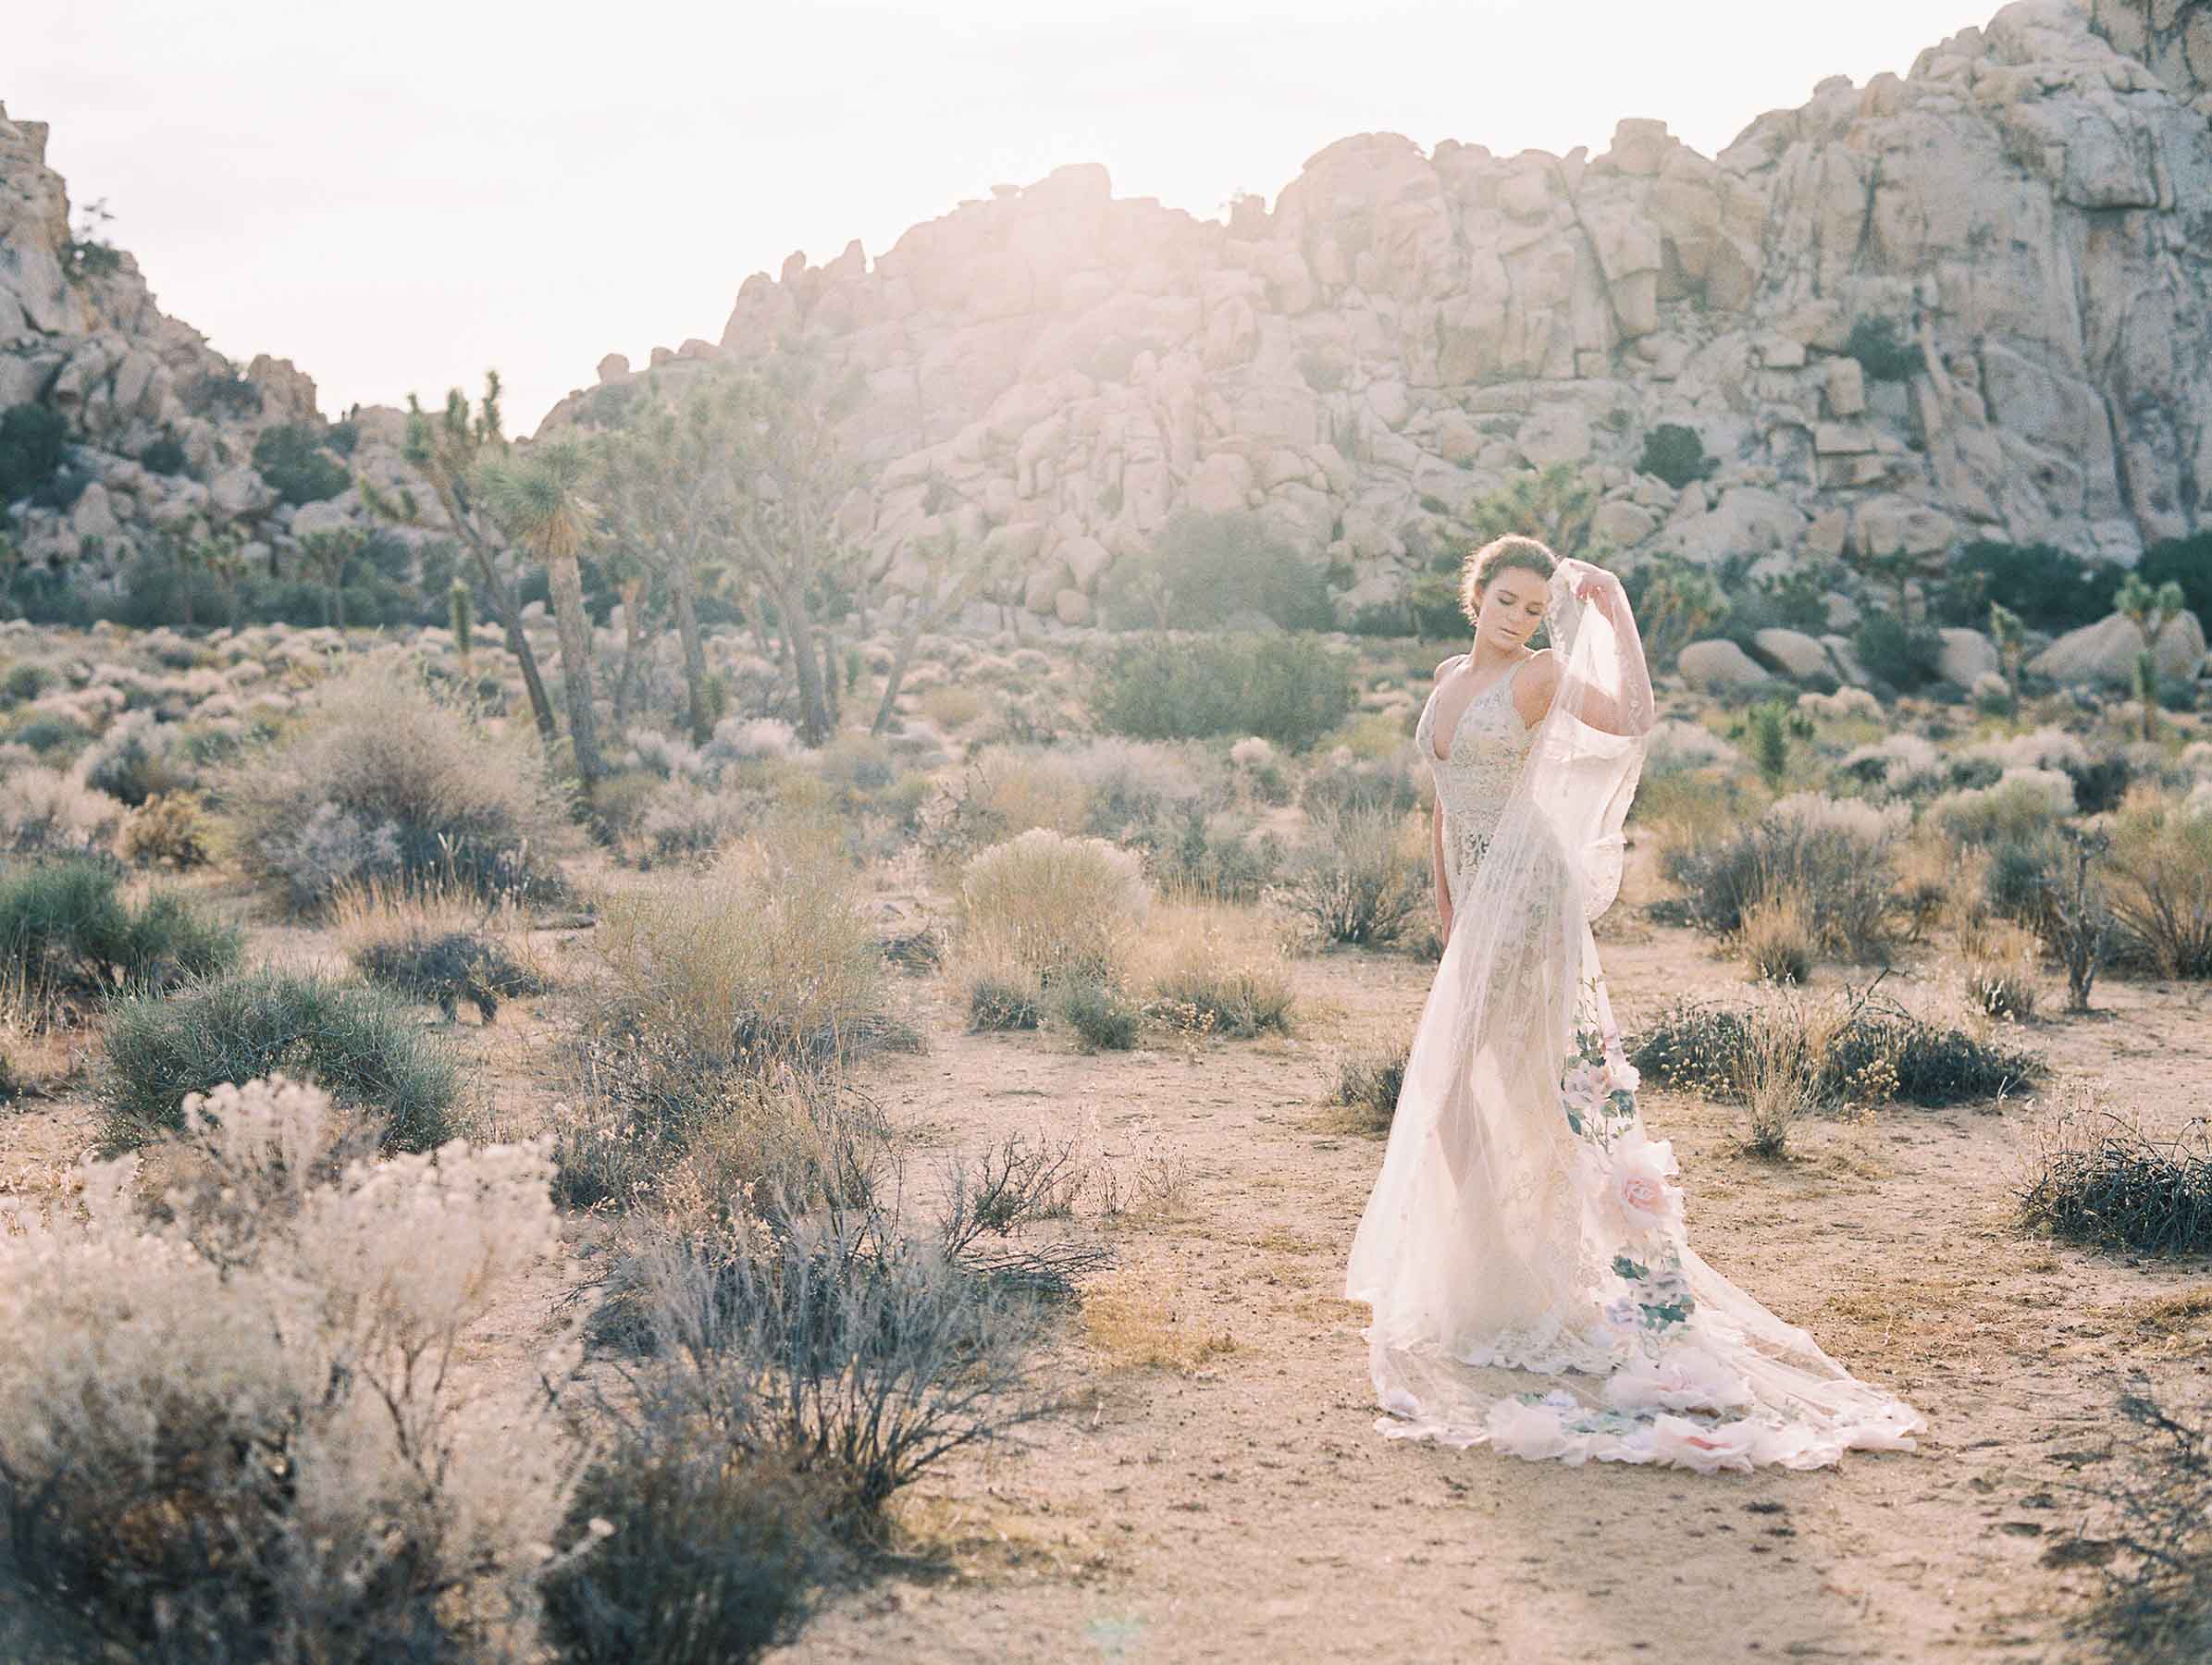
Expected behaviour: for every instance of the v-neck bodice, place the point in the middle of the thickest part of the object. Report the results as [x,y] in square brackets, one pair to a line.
[1475,776]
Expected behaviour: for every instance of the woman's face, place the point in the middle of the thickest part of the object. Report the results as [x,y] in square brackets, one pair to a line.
[1512,608]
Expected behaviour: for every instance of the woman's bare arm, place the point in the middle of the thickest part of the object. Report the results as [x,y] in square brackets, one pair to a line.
[1443,888]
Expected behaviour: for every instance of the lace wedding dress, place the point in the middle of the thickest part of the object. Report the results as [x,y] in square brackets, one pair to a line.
[1522,1249]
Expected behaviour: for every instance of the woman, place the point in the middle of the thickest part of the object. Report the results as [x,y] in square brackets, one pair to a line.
[1522,1249]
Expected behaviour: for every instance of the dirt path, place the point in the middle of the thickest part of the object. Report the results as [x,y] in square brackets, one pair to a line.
[1243,1507]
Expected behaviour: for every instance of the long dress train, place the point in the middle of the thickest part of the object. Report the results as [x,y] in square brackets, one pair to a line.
[1523,1247]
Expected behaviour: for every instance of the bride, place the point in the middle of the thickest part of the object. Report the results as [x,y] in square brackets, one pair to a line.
[1522,1249]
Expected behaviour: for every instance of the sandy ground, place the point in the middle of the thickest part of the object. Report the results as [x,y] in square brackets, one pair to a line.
[1239,1505]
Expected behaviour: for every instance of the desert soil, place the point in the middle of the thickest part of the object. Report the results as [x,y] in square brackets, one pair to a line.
[1236,1502]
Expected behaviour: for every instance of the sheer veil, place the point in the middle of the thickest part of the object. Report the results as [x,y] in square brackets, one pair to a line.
[1522,1249]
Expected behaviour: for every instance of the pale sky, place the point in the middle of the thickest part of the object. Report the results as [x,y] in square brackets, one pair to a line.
[397,194]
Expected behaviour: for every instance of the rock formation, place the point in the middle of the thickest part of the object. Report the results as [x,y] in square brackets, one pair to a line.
[1971,302]
[2019,229]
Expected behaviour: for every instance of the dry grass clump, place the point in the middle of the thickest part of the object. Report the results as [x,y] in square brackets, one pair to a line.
[1778,1067]
[381,781]
[950,705]
[1776,940]
[228,1427]
[1999,960]
[1217,965]
[766,958]
[44,812]
[1135,1319]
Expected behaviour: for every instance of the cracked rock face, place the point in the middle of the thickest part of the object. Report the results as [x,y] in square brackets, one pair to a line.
[2028,214]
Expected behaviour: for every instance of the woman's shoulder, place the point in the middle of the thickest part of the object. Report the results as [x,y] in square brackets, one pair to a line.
[1535,680]
[1445,667]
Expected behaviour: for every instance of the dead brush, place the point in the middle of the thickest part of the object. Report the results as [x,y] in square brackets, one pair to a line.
[437,945]
[2096,1177]
[2151,1532]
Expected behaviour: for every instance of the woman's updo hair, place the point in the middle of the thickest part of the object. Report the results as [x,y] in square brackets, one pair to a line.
[1512,552]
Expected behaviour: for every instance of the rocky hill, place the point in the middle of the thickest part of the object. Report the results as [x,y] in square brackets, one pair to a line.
[1971,302]
[81,336]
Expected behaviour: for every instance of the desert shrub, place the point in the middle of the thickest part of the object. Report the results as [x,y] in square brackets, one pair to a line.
[2151,1532]
[224,389]
[1676,454]
[1905,656]
[2098,1177]
[359,1044]
[1280,687]
[1102,1017]
[447,969]
[648,1118]
[45,735]
[228,1428]
[291,459]
[2158,877]
[1835,858]
[64,933]
[1224,856]
[1217,969]
[766,958]
[2186,562]
[1342,782]
[1061,907]
[1204,570]
[138,759]
[382,781]
[1866,1051]
[716,1552]
[999,1002]
[1358,880]
[852,1343]
[31,436]
[24,682]
[1367,1084]
[2022,806]
[169,830]
[1878,344]
[44,812]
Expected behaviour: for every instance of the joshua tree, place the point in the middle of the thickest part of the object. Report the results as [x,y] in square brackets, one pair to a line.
[447,448]
[2150,611]
[537,497]
[951,582]
[327,554]
[654,476]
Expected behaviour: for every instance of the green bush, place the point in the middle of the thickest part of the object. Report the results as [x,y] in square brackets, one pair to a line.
[360,1044]
[447,968]
[291,459]
[1676,454]
[1284,688]
[2050,588]
[31,445]
[1882,350]
[225,391]
[1205,569]
[1101,1015]
[66,932]
[164,456]
[1906,657]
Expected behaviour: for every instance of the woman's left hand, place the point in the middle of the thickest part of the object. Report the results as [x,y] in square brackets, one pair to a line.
[1595,586]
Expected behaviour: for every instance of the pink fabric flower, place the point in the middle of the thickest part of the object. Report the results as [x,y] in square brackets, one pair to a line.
[1641,1195]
